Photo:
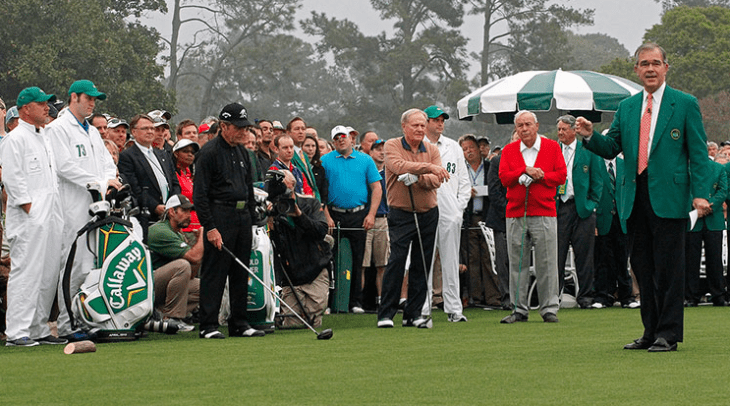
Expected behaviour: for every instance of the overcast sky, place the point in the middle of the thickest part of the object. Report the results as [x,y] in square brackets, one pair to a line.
[625,20]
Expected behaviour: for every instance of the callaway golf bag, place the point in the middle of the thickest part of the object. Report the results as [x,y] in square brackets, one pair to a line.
[117,295]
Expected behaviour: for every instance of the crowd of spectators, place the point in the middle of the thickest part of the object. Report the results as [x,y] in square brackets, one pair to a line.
[422,193]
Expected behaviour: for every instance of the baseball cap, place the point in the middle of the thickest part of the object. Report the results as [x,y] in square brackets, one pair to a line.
[483,140]
[235,114]
[86,87]
[184,143]
[32,95]
[160,113]
[116,122]
[340,129]
[203,128]
[377,143]
[11,114]
[178,200]
[277,125]
[435,111]
[350,130]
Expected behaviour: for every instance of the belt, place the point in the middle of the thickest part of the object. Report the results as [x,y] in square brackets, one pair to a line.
[381,215]
[237,204]
[352,210]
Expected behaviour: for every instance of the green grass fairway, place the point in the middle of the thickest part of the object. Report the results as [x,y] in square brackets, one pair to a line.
[579,361]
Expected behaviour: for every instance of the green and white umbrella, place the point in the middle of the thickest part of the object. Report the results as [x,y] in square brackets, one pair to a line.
[578,92]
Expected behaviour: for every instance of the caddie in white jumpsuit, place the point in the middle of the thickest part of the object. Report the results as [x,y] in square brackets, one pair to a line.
[453,196]
[33,222]
[81,159]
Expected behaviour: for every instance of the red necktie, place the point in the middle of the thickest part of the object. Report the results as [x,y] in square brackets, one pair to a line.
[644,137]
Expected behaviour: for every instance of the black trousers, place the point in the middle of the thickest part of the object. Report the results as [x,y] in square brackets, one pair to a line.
[235,229]
[357,245]
[713,265]
[403,235]
[658,259]
[580,233]
[611,264]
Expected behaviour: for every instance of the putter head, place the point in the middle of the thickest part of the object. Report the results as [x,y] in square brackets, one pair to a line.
[325,334]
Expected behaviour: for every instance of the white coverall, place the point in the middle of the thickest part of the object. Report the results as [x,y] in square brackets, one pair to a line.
[29,174]
[81,158]
[453,196]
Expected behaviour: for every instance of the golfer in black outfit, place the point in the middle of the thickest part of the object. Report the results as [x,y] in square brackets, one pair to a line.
[224,200]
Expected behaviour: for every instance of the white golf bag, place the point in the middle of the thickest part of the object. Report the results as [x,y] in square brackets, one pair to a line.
[118,294]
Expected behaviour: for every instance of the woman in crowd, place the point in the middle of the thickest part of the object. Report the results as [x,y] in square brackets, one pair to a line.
[311,148]
[183,155]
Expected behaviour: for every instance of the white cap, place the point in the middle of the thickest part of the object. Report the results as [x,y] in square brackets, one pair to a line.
[340,129]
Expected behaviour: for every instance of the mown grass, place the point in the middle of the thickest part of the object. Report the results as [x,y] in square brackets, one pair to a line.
[578,361]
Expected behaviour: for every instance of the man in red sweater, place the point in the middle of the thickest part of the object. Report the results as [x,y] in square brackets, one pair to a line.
[537,163]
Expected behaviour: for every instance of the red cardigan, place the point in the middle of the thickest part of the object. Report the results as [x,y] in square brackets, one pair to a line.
[542,193]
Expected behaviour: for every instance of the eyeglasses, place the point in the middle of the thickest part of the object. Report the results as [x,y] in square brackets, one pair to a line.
[339,137]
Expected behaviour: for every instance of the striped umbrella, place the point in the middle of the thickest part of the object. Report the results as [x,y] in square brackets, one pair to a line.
[547,91]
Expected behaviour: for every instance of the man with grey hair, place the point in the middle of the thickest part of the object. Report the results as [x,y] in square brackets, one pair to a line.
[711,149]
[531,170]
[577,200]
[666,174]
[413,174]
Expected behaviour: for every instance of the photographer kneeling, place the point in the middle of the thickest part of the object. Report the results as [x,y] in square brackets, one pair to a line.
[298,228]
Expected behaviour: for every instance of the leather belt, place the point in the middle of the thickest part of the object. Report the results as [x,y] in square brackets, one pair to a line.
[236,204]
[352,210]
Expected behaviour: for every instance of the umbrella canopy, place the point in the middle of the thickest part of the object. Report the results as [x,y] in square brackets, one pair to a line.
[542,91]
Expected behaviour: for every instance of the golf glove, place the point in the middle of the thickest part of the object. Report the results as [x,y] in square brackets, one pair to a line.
[408,179]
[525,180]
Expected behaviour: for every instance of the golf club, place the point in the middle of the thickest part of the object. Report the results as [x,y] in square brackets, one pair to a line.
[522,249]
[429,319]
[323,335]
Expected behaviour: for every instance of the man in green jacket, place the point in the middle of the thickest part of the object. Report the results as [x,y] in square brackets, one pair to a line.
[577,200]
[708,229]
[661,134]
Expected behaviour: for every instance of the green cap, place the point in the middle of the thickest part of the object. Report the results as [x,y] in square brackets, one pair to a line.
[434,111]
[86,87]
[33,94]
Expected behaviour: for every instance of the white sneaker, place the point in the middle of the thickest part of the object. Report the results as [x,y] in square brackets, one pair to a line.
[385,323]
[457,317]
[357,310]
[182,326]
[423,322]
[597,305]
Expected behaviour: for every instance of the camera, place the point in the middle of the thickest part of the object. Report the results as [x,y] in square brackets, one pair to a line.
[279,194]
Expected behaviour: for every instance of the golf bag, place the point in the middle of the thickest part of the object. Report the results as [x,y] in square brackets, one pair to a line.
[118,294]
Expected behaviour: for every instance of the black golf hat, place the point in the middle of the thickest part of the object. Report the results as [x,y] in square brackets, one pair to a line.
[235,114]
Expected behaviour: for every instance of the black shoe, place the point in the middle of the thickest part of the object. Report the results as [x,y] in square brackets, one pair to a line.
[719,302]
[211,333]
[690,303]
[245,331]
[550,318]
[513,318]
[662,345]
[638,344]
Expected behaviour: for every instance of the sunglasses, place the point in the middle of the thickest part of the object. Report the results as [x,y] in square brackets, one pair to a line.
[339,136]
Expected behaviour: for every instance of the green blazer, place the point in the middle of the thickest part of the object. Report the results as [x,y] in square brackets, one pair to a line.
[587,181]
[607,206]
[718,194]
[306,169]
[679,144]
